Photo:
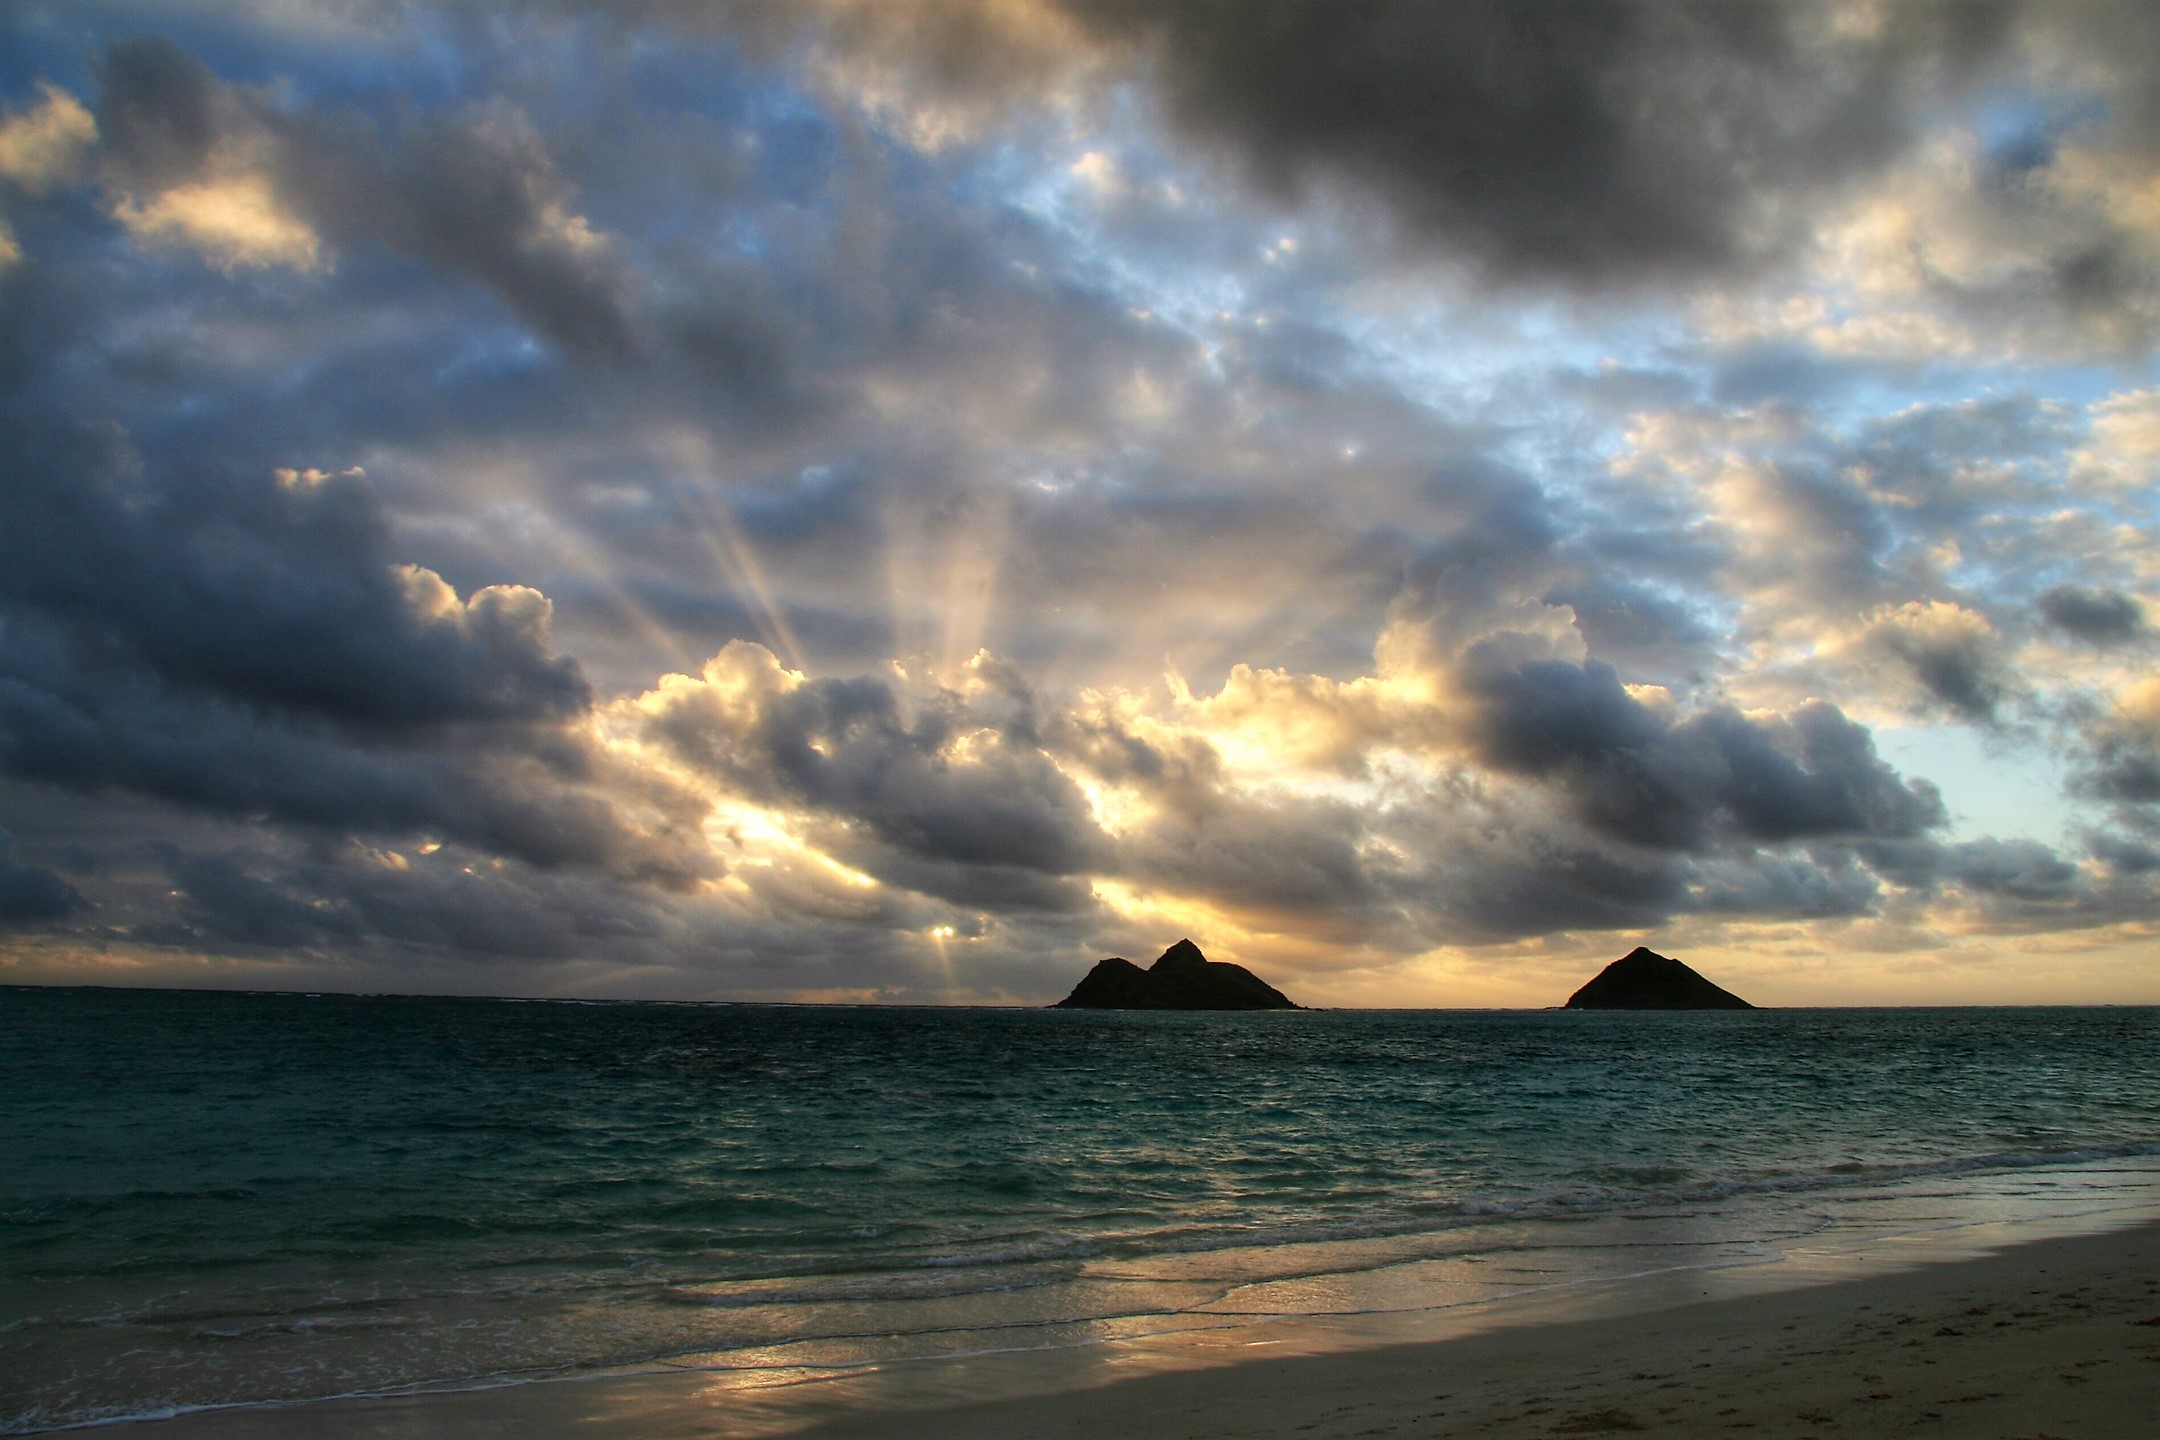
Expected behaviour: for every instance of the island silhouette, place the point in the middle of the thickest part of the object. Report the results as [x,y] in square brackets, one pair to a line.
[1642,979]
[1180,979]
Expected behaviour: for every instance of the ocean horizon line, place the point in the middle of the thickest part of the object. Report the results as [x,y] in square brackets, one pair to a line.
[321,993]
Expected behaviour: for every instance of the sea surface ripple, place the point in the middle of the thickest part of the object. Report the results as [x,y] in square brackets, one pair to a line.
[216,1199]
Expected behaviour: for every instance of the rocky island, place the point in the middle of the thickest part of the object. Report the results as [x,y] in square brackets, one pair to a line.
[1180,979]
[1642,979]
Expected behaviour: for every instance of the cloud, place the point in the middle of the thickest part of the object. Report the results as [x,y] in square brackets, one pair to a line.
[1642,776]
[243,642]
[2094,615]
[98,730]
[43,145]
[1603,145]
[875,500]
[189,157]
[478,194]
[162,114]
[1949,652]
[440,905]
[2022,221]
[233,221]
[2124,742]
[267,592]
[1584,142]
[957,801]
[2122,453]
[228,172]
[30,895]
[1903,564]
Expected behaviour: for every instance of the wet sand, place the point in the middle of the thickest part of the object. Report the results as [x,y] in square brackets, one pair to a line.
[2055,1339]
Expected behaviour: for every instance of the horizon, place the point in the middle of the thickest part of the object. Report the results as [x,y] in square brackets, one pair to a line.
[318,993]
[866,504]
[1018,1005]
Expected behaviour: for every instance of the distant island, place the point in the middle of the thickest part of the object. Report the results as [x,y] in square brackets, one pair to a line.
[1180,979]
[1642,979]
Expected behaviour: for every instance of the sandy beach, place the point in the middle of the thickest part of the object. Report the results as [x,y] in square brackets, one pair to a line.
[2052,1339]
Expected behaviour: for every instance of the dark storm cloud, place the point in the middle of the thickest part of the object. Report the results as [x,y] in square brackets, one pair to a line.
[1639,776]
[263,657]
[2021,885]
[2122,764]
[1576,140]
[1273,856]
[1279,857]
[245,644]
[1603,143]
[1545,883]
[223,904]
[1490,868]
[477,194]
[350,902]
[905,296]
[2021,870]
[1818,882]
[1635,625]
[277,594]
[842,745]
[1500,541]
[29,894]
[2097,616]
[99,729]
[1826,543]
[1588,141]
[1006,891]
[1962,669]
[160,113]
[1938,467]
[2123,856]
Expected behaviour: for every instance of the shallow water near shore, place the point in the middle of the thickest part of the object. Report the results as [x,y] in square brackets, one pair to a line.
[231,1199]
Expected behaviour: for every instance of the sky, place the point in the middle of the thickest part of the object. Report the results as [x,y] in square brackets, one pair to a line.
[893,500]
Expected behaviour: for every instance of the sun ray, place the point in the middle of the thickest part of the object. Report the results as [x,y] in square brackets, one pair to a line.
[730,550]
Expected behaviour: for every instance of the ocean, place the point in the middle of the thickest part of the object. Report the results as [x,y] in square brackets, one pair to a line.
[213,1199]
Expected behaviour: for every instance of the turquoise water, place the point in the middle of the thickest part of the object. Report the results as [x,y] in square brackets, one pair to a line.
[223,1198]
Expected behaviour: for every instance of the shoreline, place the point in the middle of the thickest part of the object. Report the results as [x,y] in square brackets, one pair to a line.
[2019,1323]
[2055,1337]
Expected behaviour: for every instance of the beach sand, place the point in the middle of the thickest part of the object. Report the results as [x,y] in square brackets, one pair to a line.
[2054,1339]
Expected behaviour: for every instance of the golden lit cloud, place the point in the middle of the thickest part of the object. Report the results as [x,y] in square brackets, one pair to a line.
[44,145]
[1265,721]
[235,222]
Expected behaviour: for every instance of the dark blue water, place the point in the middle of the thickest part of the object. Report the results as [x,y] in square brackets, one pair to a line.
[218,1198]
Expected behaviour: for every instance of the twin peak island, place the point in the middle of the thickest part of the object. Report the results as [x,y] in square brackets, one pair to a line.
[1184,979]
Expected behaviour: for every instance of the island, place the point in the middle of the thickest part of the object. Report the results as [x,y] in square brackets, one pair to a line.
[1180,979]
[1642,979]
